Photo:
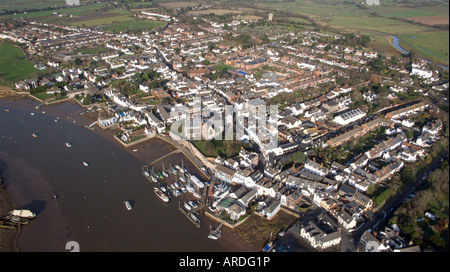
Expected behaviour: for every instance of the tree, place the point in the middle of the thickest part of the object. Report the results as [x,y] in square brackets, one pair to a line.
[78,62]
[299,157]
[377,65]
[409,134]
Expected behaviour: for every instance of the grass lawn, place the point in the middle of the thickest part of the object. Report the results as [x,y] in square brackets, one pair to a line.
[13,64]
[134,25]
[94,51]
[225,149]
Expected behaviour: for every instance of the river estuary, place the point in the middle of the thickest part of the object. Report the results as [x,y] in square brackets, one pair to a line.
[86,204]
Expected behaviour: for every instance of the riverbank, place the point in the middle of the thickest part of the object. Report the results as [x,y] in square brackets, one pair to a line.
[8,237]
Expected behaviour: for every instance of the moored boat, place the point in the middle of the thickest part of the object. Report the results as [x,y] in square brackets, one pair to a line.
[23,213]
[187,206]
[196,194]
[128,205]
[85,163]
[18,219]
[161,194]
[68,144]
[193,204]
[190,188]
[195,218]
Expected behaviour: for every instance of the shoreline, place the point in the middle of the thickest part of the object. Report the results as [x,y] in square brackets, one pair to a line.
[8,237]
[232,241]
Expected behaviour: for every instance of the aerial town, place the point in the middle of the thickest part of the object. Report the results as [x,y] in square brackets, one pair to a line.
[350,137]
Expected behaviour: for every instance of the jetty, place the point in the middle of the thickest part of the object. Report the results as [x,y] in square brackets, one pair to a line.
[91,126]
[215,234]
[188,214]
[7,223]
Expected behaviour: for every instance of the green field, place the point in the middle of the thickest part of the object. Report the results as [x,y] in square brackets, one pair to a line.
[133,25]
[103,21]
[13,64]
[379,24]
[28,4]
[431,45]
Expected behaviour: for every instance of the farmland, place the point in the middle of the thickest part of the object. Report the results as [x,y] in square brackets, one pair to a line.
[25,4]
[401,20]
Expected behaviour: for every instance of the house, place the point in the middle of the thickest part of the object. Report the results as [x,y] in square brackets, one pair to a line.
[407,110]
[359,182]
[235,211]
[22,85]
[392,239]
[224,173]
[389,170]
[144,87]
[293,198]
[291,122]
[164,112]
[346,220]
[316,168]
[271,209]
[349,117]
[248,197]
[370,243]
[321,233]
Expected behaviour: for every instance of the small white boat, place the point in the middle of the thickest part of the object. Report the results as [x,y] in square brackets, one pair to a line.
[160,194]
[32,113]
[34,135]
[195,218]
[187,206]
[85,163]
[23,213]
[68,144]
[128,205]
[212,208]
[190,188]
[196,194]
[193,204]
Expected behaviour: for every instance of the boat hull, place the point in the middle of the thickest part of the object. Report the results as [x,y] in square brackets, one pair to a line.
[161,194]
